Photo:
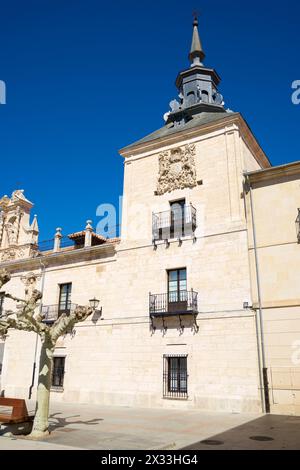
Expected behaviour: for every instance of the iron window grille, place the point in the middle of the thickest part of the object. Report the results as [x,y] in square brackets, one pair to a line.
[58,372]
[175,376]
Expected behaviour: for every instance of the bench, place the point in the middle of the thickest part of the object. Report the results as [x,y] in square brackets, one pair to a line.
[18,413]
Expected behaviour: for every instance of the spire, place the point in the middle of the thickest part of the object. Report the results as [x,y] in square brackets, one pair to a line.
[34,226]
[196,54]
[197,87]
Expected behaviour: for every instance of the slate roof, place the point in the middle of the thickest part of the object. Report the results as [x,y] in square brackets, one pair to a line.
[169,129]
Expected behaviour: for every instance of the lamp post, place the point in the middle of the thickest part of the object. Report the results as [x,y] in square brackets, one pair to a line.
[97,313]
[94,303]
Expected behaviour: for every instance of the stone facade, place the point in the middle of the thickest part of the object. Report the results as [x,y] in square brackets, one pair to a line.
[211,332]
[275,203]
[119,359]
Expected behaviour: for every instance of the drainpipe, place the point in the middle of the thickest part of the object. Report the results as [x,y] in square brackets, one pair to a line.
[43,267]
[263,371]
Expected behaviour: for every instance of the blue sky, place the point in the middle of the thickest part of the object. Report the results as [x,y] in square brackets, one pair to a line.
[85,78]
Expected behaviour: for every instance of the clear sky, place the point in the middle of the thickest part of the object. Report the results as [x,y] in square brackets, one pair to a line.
[86,77]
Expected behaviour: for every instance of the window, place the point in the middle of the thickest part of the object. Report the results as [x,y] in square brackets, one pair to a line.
[65,298]
[58,372]
[177,290]
[175,377]
[204,96]
[179,221]
[177,218]
[191,98]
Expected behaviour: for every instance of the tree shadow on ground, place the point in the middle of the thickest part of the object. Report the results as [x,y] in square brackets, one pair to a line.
[57,422]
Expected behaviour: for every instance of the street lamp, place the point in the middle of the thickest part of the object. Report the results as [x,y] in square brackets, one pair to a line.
[94,303]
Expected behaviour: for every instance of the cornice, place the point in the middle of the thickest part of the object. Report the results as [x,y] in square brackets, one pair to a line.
[61,258]
[281,171]
[200,130]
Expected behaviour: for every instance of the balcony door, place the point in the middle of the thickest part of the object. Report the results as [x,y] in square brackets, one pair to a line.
[177,218]
[177,290]
[65,291]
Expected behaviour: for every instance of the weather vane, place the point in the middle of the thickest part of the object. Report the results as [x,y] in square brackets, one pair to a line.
[196,14]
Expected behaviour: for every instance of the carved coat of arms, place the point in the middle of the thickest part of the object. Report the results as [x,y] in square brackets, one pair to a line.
[177,169]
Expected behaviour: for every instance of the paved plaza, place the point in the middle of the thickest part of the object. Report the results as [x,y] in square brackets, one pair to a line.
[97,427]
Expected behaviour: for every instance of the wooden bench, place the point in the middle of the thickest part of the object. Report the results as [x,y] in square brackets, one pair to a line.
[18,413]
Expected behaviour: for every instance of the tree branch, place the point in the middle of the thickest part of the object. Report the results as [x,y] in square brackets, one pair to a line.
[25,318]
[16,299]
[65,322]
[8,323]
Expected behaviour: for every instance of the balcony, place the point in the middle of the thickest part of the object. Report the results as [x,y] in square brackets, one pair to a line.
[51,313]
[175,223]
[174,304]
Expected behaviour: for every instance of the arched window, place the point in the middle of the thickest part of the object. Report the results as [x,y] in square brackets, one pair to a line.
[204,96]
[191,98]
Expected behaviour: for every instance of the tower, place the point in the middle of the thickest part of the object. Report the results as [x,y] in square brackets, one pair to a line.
[197,87]
[17,235]
[192,169]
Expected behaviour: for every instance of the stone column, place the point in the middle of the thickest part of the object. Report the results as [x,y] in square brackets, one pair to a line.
[88,234]
[57,240]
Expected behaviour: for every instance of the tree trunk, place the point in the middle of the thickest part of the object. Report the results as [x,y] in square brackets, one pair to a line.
[41,423]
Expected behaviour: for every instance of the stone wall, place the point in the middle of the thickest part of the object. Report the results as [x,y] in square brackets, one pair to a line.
[119,360]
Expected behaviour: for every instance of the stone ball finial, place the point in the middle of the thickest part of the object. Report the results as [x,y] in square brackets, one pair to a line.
[89,225]
[58,232]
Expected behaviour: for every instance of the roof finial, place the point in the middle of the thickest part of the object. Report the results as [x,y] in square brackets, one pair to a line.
[196,54]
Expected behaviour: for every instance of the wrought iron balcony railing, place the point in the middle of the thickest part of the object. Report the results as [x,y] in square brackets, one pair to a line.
[175,223]
[53,312]
[173,303]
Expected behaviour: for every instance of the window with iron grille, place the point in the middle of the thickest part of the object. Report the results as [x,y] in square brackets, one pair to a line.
[58,372]
[175,376]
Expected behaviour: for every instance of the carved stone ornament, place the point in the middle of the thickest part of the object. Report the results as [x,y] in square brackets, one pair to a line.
[30,281]
[12,253]
[8,255]
[177,169]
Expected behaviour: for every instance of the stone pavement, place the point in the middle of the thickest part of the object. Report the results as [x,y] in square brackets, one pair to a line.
[97,427]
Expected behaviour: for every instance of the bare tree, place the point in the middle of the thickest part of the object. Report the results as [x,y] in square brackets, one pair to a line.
[25,318]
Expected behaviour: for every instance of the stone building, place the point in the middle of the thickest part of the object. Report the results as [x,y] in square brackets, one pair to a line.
[272,203]
[182,310]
